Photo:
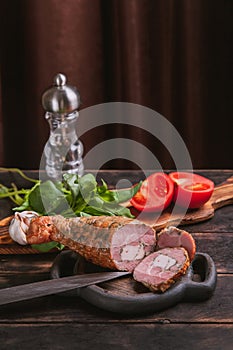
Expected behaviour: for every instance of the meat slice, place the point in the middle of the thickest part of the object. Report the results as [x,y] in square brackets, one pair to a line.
[113,242]
[173,237]
[161,269]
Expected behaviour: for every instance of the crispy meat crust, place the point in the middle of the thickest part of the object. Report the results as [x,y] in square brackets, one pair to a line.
[91,236]
[173,237]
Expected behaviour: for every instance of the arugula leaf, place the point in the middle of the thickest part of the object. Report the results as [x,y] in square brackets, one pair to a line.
[46,247]
[71,182]
[88,186]
[105,193]
[19,197]
[25,204]
[117,209]
[46,198]
[96,202]
[84,214]
[126,194]
[109,210]
[20,172]
[102,189]
[3,189]
[88,189]
[12,193]
[96,211]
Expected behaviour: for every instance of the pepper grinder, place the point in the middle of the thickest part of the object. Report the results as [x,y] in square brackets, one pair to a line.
[63,150]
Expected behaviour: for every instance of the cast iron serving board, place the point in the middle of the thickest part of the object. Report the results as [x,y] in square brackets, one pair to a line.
[125,295]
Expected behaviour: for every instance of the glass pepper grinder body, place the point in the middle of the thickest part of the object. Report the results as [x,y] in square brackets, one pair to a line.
[63,151]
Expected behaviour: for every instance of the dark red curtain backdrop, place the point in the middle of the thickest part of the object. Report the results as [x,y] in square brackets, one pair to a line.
[172,56]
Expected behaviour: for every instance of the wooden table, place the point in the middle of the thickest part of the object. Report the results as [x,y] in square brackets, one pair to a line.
[58,322]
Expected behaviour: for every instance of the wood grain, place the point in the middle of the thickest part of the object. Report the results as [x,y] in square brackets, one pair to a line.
[48,322]
[60,309]
[117,336]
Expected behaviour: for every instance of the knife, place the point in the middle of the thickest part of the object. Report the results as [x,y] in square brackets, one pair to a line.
[53,286]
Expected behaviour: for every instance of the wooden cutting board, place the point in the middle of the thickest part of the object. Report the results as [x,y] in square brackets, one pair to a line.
[222,196]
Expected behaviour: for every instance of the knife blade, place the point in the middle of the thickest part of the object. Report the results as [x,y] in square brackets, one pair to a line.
[53,286]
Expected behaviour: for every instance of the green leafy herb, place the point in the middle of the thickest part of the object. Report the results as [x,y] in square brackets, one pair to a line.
[18,196]
[46,247]
[72,186]
[46,198]
[20,172]
[73,196]
[105,193]
[126,194]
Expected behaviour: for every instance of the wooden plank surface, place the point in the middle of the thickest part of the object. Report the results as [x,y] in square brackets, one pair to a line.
[117,336]
[47,321]
[68,309]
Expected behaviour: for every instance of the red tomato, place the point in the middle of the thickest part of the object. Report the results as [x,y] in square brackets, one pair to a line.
[155,193]
[191,190]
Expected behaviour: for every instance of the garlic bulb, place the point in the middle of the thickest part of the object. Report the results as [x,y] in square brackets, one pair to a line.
[19,226]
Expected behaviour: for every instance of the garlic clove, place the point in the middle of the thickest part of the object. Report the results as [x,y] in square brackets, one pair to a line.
[19,226]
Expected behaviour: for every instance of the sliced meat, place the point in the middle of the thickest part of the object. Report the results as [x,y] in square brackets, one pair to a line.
[161,269]
[174,237]
[110,241]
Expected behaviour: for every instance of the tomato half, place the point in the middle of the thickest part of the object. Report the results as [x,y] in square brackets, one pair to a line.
[155,193]
[191,190]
